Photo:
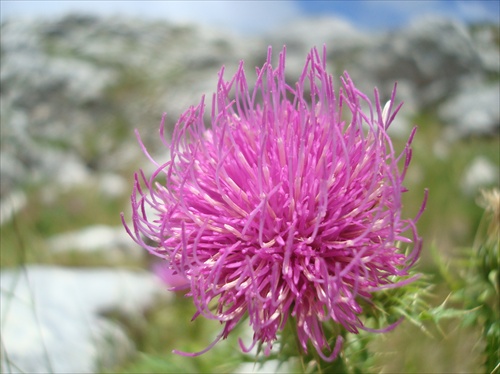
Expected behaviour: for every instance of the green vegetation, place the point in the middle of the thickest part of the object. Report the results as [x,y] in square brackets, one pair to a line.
[448,225]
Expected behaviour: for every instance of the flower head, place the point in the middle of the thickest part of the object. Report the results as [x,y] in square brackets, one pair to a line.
[287,206]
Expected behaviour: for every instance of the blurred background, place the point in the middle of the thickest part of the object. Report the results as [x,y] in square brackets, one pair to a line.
[77,77]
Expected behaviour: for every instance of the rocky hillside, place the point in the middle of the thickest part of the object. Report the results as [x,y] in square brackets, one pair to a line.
[73,89]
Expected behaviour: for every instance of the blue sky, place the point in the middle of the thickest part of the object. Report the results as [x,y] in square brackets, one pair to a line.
[371,14]
[249,17]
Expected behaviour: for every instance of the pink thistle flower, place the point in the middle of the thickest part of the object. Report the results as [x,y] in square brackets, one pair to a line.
[287,206]
[168,276]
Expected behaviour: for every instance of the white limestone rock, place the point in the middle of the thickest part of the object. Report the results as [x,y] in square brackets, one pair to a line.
[111,242]
[480,173]
[475,110]
[52,317]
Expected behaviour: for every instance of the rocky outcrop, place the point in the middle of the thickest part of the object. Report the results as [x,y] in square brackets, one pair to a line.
[73,90]
[473,110]
[113,243]
[53,319]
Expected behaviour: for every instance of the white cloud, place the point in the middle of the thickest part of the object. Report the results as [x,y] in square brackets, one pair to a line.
[405,11]
[477,11]
[400,11]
